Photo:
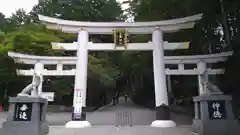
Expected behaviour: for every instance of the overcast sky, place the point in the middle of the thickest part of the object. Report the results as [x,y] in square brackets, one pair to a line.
[7,7]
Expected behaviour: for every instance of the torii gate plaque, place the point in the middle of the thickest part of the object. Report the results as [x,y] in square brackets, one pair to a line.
[120,37]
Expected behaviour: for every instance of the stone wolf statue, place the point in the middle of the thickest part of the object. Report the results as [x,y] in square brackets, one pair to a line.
[209,86]
[213,89]
[33,87]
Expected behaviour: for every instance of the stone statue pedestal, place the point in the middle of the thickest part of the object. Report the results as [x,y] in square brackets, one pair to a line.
[214,116]
[26,116]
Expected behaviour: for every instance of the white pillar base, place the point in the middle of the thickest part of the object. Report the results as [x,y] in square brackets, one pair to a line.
[163,123]
[77,124]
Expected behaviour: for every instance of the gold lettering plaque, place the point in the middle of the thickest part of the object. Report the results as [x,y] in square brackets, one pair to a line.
[120,37]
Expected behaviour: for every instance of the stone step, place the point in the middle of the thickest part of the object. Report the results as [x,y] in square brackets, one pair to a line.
[124,130]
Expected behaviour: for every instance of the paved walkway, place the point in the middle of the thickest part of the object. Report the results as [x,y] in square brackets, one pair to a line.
[104,120]
[108,116]
[112,130]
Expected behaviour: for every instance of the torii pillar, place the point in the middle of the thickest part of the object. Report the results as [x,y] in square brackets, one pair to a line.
[38,69]
[80,87]
[161,94]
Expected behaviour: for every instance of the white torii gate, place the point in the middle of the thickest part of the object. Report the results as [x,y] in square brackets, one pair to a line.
[157,45]
[199,61]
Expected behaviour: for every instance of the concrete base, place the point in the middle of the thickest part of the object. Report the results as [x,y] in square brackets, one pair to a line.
[28,128]
[225,127]
[35,121]
[205,121]
[163,112]
[77,124]
[163,123]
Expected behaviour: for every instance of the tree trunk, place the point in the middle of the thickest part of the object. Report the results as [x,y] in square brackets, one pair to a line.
[141,81]
[5,93]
